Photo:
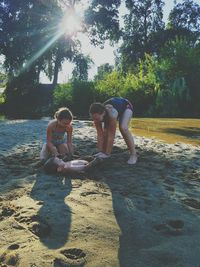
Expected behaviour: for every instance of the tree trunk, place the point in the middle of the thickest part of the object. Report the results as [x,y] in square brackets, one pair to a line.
[56,70]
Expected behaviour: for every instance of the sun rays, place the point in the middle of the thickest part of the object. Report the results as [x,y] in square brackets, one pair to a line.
[69,25]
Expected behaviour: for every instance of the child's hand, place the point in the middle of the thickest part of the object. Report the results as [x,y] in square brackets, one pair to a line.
[60,168]
[54,152]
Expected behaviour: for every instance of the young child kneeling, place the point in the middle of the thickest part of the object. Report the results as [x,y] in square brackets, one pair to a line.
[56,165]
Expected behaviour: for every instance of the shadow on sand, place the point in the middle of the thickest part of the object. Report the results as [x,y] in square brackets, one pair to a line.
[54,216]
[137,191]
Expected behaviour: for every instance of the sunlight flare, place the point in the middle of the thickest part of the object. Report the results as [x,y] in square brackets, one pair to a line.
[70,24]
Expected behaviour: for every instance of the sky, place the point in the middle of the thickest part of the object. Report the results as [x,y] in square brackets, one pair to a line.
[98,55]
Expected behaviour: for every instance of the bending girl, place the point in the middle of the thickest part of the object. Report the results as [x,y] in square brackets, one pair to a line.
[105,118]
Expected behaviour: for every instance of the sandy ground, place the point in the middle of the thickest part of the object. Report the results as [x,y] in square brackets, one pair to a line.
[147,215]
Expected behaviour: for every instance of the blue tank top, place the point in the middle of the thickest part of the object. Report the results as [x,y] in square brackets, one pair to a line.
[119,103]
[58,138]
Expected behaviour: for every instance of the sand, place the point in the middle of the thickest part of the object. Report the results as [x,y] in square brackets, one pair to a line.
[146,215]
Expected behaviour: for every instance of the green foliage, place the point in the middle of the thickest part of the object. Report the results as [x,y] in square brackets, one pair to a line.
[83,63]
[179,78]
[142,85]
[82,97]
[102,20]
[157,69]
[62,95]
[77,95]
[139,86]
[3,79]
[2,99]
[20,97]
[111,85]
[103,70]
[142,19]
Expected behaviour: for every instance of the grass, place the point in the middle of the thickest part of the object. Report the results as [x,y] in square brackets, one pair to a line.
[168,130]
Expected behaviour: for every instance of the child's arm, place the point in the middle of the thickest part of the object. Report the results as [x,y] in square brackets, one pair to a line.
[100,135]
[110,130]
[52,149]
[69,131]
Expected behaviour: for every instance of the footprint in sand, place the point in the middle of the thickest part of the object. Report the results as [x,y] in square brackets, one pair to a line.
[7,211]
[13,246]
[71,257]
[171,227]
[36,224]
[191,202]
[40,228]
[9,259]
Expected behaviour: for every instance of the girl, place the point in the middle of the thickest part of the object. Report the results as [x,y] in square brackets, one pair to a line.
[57,143]
[57,165]
[105,118]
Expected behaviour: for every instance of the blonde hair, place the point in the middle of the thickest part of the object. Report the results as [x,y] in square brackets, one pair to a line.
[63,113]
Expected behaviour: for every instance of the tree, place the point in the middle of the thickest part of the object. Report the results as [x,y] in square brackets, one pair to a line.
[184,22]
[157,40]
[110,86]
[103,70]
[143,19]
[26,29]
[32,42]
[102,21]
[64,49]
[179,77]
[82,65]
[186,15]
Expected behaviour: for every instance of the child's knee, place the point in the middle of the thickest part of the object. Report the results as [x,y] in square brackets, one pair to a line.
[123,129]
[44,153]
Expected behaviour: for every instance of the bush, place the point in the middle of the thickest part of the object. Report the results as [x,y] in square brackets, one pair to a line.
[76,95]
[82,97]
[62,95]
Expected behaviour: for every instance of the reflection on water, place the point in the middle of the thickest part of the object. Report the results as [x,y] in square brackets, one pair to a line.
[169,130]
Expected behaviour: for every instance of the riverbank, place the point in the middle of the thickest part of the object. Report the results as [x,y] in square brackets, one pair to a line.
[117,215]
[170,130]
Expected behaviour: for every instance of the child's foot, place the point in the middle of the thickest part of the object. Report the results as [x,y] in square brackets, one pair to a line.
[132,159]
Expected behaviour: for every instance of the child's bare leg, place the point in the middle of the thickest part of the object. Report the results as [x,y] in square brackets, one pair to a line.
[127,135]
[44,153]
[64,150]
[47,153]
